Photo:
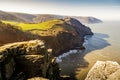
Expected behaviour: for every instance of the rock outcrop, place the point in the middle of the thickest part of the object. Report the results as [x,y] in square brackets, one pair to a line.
[23,60]
[104,70]
[81,29]
[37,78]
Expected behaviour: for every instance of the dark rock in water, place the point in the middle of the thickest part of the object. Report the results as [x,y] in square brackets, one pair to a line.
[81,48]
[104,70]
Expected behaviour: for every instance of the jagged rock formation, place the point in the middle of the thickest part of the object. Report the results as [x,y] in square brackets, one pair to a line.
[23,60]
[104,70]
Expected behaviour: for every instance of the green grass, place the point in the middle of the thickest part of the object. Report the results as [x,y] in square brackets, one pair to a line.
[29,26]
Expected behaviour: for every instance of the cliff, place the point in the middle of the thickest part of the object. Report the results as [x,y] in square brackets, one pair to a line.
[81,29]
[104,70]
[54,32]
[24,60]
[68,31]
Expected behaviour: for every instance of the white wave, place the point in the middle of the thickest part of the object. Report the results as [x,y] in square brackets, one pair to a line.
[59,58]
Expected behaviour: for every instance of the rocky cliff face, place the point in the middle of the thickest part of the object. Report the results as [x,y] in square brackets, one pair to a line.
[68,31]
[81,29]
[104,70]
[23,60]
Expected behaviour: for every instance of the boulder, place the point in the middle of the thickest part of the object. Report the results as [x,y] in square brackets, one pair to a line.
[37,78]
[104,70]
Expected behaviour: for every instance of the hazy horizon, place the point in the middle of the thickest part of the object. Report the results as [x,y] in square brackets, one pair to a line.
[102,9]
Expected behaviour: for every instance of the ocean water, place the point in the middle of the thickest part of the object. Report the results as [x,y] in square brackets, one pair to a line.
[104,45]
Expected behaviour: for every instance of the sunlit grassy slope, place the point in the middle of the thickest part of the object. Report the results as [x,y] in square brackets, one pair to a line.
[29,26]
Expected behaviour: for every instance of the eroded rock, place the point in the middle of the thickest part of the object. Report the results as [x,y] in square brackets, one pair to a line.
[37,78]
[22,60]
[104,70]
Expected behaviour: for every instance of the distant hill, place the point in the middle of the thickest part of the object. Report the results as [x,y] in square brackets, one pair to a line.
[9,17]
[36,18]
[24,16]
[87,19]
[46,17]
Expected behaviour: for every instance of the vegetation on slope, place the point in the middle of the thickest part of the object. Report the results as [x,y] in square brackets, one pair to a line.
[10,34]
[29,26]
[55,33]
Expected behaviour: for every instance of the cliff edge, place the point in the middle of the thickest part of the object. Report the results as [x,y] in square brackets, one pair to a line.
[28,59]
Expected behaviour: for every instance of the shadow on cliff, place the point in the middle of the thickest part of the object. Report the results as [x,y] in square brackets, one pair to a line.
[72,64]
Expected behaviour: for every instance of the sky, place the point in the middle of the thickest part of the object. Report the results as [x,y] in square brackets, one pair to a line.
[102,9]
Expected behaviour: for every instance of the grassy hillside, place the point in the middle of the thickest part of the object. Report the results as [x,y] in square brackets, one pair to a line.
[9,34]
[29,26]
[55,33]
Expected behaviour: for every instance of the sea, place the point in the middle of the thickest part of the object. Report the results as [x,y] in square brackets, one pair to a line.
[104,45]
